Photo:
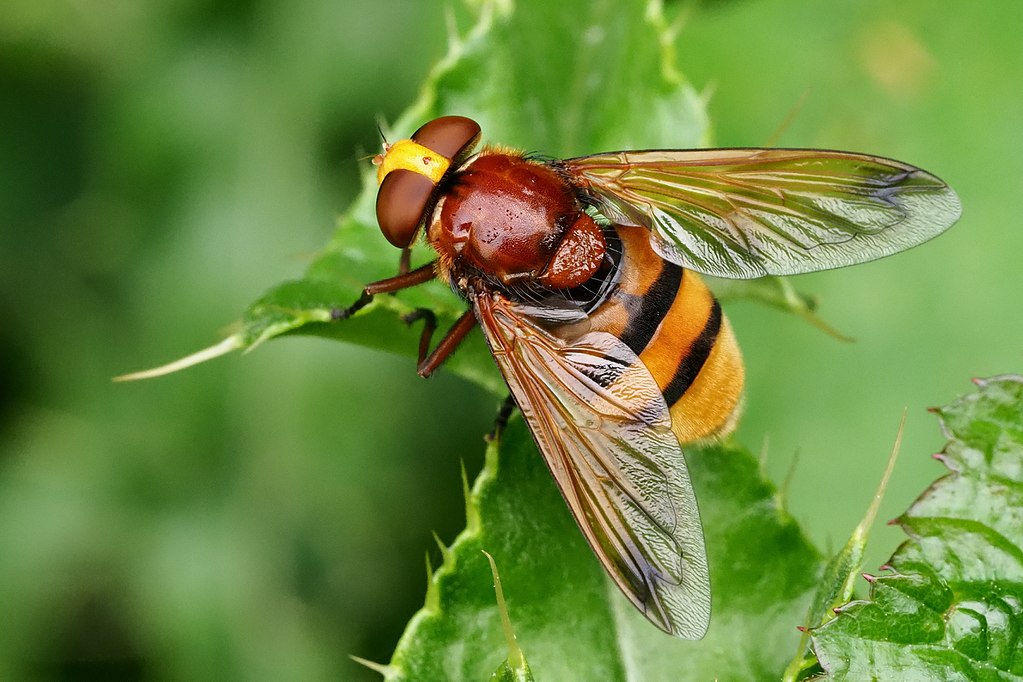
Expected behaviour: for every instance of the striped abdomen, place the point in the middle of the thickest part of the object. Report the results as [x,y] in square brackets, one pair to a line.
[668,317]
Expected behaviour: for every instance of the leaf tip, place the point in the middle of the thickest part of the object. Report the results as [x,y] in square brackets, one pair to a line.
[444,550]
[782,496]
[868,519]
[229,344]
[472,512]
[516,660]
[432,600]
[385,670]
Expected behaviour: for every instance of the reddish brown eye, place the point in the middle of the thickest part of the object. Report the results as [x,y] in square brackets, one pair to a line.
[449,136]
[406,188]
[401,201]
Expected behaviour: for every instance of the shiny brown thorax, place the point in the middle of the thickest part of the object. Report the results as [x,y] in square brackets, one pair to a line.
[515,220]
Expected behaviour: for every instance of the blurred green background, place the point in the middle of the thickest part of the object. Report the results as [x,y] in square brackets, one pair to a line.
[163,163]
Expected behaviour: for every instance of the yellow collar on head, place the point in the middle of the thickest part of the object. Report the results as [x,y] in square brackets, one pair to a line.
[410,155]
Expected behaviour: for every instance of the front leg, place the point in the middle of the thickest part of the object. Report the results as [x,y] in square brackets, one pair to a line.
[429,326]
[421,275]
[428,362]
[459,330]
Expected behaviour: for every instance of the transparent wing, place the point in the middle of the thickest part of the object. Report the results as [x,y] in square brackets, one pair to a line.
[604,429]
[744,213]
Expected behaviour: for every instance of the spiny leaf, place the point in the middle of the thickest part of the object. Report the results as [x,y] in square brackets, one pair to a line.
[951,606]
[572,621]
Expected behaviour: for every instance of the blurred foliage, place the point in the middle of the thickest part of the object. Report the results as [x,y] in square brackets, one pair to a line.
[265,517]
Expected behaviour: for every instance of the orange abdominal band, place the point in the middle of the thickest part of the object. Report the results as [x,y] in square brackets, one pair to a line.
[412,156]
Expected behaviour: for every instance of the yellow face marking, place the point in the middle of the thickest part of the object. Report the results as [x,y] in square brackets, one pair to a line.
[409,155]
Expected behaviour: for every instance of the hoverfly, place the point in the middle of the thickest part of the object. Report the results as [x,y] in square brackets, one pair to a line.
[582,274]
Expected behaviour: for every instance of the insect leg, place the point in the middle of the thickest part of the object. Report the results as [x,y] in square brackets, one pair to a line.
[501,421]
[447,345]
[424,273]
[429,327]
[420,275]
[344,313]
[404,262]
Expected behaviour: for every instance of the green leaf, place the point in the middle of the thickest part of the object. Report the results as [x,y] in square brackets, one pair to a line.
[571,619]
[951,606]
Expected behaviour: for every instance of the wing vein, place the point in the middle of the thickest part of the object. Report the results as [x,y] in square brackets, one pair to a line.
[602,425]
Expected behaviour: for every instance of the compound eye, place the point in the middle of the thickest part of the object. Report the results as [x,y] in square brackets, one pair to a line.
[409,174]
[401,202]
[449,136]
